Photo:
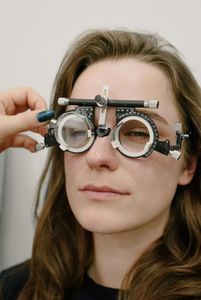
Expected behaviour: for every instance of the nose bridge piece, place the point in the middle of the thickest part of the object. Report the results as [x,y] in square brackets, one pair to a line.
[102,131]
[103,107]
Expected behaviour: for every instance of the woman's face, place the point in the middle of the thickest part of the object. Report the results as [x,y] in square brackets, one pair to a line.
[108,192]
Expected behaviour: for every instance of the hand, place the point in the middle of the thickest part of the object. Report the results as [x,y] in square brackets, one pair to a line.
[18,113]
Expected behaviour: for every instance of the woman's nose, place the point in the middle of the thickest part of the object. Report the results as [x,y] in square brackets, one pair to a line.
[102,155]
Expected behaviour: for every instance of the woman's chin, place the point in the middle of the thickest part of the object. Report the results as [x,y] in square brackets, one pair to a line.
[104,225]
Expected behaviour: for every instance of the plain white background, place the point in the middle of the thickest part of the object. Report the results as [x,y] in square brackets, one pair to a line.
[34,35]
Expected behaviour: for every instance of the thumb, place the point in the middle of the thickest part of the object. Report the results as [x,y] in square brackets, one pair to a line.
[28,120]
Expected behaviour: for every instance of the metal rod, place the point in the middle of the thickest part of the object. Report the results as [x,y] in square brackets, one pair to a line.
[120,103]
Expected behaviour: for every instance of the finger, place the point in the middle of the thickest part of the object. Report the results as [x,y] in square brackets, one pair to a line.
[41,130]
[20,98]
[2,108]
[21,122]
[20,141]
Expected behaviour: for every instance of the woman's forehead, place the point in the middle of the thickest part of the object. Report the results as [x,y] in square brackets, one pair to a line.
[126,77]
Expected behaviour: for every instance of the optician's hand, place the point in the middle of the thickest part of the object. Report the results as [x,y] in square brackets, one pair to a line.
[19,110]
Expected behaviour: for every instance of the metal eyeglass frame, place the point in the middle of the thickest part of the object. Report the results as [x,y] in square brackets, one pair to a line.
[125,111]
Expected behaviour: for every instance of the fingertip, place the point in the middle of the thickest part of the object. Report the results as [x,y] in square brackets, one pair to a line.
[35,100]
[41,104]
[31,149]
[43,130]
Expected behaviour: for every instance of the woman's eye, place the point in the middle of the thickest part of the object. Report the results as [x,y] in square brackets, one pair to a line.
[136,133]
[78,133]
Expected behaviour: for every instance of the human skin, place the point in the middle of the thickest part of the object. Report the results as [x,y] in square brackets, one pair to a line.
[127,221]
[18,113]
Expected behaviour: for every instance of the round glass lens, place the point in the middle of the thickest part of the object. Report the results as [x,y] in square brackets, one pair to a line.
[134,136]
[75,132]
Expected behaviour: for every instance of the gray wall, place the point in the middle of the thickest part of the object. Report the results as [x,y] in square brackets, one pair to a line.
[34,35]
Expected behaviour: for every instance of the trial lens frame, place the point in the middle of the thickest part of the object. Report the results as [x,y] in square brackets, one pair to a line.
[125,109]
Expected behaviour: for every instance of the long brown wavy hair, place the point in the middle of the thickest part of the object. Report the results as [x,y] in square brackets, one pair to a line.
[62,250]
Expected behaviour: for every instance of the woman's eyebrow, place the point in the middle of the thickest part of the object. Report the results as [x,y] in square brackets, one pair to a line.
[155,116]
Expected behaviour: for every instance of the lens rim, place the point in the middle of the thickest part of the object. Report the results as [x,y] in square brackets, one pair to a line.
[59,137]
[153,132]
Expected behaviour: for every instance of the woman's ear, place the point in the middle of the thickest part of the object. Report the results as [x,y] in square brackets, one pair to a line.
[188,171]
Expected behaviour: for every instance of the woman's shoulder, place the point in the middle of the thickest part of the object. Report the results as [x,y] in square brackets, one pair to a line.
[12,281]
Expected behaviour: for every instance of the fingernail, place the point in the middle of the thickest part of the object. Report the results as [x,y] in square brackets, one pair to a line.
[45,115]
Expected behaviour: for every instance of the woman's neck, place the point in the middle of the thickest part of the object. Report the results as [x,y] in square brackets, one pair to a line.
[116,253]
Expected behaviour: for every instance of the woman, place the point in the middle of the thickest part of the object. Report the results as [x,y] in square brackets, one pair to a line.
[124,222]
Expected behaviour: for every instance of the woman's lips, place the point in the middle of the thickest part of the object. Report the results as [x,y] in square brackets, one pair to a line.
[101,192]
